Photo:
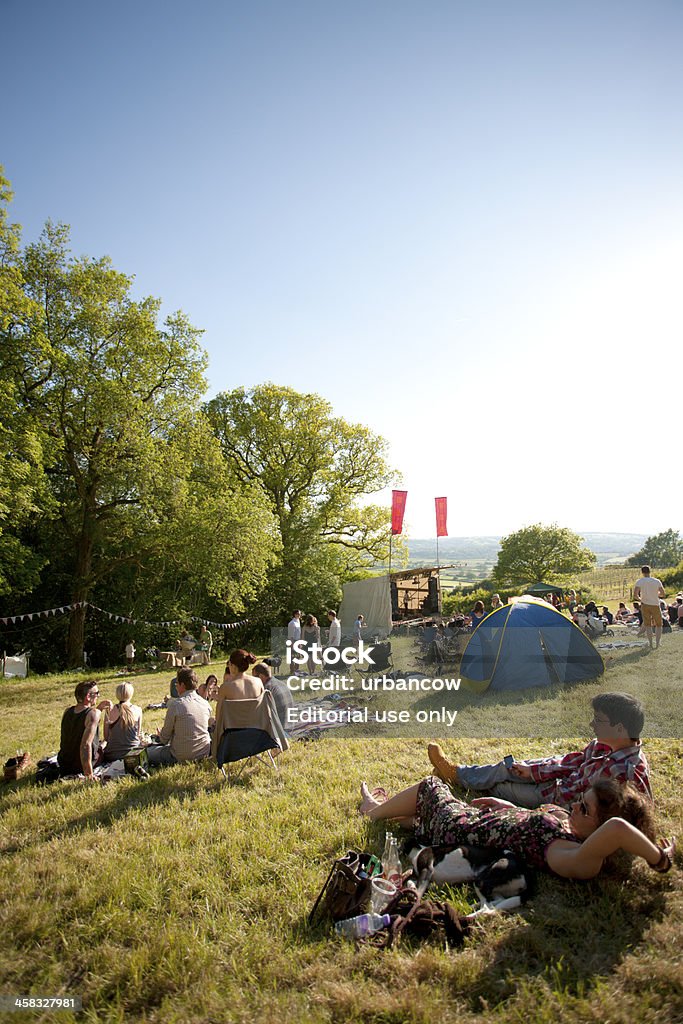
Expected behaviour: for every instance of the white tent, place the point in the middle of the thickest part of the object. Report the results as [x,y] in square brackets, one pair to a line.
[370,598]
[15,666]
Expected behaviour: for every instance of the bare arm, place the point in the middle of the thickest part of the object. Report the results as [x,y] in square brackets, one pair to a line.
[108,722]
[571,860]
[492,803]
[220,700]
[92,721]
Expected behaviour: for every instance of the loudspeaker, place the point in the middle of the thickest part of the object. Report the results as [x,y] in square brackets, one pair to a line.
[394,597]
[433,595]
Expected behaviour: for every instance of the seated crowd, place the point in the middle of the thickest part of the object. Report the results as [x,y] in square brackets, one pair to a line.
[567,813]
[189,725]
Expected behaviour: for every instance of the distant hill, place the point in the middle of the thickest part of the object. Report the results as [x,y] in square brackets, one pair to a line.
[608,547]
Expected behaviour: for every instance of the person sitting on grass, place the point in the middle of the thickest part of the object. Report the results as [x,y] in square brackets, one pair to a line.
[636,617]
[209,688]
[282,695]
[184,735]
[122,725]
[79,741]
[573,844]
[616,753]
[622,612]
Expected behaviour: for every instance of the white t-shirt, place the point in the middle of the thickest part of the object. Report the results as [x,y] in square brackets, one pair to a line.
[294,630]
[649,590]
[130,651]
[334,639]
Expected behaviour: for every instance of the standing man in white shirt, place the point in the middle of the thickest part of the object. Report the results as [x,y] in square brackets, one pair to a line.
[334,637]
[648,590]
[294,627]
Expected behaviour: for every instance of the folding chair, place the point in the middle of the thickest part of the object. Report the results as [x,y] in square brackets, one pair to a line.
[381,658]
[249,728]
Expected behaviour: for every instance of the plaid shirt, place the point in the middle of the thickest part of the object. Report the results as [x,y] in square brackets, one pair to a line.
[565,777]
[186,727]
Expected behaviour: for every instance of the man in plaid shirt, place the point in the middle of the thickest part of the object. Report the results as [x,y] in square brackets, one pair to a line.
[615,753]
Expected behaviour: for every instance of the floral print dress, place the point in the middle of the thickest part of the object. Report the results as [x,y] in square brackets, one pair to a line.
[443,820]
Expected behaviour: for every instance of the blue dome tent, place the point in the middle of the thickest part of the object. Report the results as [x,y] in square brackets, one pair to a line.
[526,644]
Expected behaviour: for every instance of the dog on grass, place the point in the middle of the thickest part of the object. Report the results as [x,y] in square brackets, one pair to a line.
[497,875]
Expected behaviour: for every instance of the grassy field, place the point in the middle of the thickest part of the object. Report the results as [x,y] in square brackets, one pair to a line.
[183,899]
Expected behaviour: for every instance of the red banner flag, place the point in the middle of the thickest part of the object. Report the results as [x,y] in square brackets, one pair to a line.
[398,507]
[441,514]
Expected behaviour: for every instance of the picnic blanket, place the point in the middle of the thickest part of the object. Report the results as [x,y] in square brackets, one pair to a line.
[326,712]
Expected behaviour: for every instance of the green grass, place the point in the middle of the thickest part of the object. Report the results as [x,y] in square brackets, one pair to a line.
[183,899]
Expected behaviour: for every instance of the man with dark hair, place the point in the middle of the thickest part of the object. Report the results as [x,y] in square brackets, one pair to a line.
[334,636]
[282,695]
[184,735]
[648,590]
[294,627]
[79,740]
[615,753]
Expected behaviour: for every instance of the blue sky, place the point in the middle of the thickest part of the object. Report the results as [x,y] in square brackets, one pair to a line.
[461,223]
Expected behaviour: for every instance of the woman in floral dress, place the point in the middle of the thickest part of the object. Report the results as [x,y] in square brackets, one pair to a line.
[575,844]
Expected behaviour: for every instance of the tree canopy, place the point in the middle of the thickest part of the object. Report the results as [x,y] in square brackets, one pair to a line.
[23,489]
[105,403]
[663,551]
[312,467]
[540,553]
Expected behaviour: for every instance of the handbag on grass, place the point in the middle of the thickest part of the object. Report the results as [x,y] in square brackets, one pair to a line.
[348,888]
[135,759]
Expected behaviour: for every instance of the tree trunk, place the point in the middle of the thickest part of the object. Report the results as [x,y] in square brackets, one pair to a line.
[79,594]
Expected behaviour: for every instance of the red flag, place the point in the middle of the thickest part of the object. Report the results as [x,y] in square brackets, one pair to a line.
[398,507]
[441,513]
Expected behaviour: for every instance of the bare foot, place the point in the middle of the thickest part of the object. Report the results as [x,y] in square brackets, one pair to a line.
[445,769]
[369,801]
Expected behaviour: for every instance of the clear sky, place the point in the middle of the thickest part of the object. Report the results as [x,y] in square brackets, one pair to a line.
[461,223]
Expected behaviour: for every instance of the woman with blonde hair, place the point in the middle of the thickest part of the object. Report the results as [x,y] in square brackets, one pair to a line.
[122,725]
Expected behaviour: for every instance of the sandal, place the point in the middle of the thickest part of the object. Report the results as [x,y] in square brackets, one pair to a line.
[666,859]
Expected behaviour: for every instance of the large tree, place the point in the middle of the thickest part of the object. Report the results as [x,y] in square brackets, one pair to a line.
[116,396]
[663,550]
[313,467]
[23,491]
[540,553]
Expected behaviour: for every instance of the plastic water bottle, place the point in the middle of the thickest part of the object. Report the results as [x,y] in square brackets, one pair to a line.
[391,862]
[364,924]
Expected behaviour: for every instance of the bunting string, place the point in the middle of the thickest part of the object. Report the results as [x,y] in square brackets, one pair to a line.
[114,617]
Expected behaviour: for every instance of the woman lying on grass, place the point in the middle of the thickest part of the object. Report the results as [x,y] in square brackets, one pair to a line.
[609,817]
